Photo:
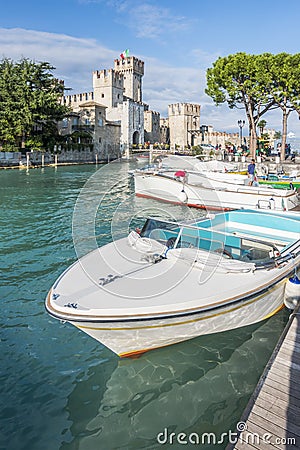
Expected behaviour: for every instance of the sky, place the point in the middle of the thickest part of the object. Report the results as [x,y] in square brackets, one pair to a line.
[177,40]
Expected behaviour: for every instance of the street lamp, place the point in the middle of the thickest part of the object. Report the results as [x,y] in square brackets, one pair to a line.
[241,123]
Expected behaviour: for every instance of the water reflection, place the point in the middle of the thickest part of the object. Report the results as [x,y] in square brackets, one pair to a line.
[61,389]
[193,387]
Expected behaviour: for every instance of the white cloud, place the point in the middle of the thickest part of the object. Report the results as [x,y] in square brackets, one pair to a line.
[145,19]
[76,58]
[164,85]
[150,21]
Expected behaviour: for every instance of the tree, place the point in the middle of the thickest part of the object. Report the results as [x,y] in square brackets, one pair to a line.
[9,102]
[29,103]
[241,80]
[262,125]
[285,89]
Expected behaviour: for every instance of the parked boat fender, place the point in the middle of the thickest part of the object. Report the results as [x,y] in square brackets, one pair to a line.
[182,196]
[292,292]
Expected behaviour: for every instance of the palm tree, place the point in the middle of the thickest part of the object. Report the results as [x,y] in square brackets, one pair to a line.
[261,125]
[277,135]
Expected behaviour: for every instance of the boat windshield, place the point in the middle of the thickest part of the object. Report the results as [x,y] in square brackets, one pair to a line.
[151,225]
[235,246]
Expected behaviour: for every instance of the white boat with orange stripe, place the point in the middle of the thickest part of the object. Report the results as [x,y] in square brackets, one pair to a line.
[175,281]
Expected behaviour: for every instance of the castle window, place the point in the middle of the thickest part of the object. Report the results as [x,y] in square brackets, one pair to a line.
[100,140]
[102,95]
[100,122]
[65,123]
[87,121]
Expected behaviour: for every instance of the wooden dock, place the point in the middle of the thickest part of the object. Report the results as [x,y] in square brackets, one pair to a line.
[271,419]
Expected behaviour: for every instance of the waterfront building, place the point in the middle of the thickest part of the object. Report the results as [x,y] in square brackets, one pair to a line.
[112,118]
[152,127]
[183,118]
[113,112]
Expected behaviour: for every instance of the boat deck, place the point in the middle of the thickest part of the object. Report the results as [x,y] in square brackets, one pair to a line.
[271,418]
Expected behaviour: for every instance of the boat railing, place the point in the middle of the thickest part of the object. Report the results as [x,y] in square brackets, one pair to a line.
[257,190]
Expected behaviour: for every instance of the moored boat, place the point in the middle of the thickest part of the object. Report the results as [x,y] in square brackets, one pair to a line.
[212,190]
[281,182]
[142,158]
[175,281]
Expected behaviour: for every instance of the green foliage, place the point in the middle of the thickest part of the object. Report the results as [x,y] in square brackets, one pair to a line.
[277,135]
[197,150]
[241,80]
[257,83]
[261,125]
[29,103]
[34,143]
[285,88]
[9,147]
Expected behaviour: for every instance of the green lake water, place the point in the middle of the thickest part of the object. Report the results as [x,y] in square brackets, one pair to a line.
[59,388]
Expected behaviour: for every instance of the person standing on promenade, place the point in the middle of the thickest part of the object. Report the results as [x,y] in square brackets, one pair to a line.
[251,171]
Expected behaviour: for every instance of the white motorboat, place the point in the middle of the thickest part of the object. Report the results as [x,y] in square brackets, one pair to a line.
[175,281]
[212,190]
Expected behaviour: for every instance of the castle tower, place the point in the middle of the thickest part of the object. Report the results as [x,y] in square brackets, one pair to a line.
[183,117]
[152,126]
[132,70]
[108,87]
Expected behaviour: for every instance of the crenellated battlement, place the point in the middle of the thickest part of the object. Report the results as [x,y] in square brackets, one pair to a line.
[178,109]
[131,63]
[74,99]
[152,113]
[107,77]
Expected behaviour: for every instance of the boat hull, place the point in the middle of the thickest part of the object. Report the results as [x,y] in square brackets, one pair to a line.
[174,281]
[212,194]
[135,337]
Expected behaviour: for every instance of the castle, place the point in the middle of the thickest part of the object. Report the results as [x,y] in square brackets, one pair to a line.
[112,118]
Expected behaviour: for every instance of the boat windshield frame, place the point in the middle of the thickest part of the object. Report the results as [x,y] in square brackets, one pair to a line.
[178,229]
